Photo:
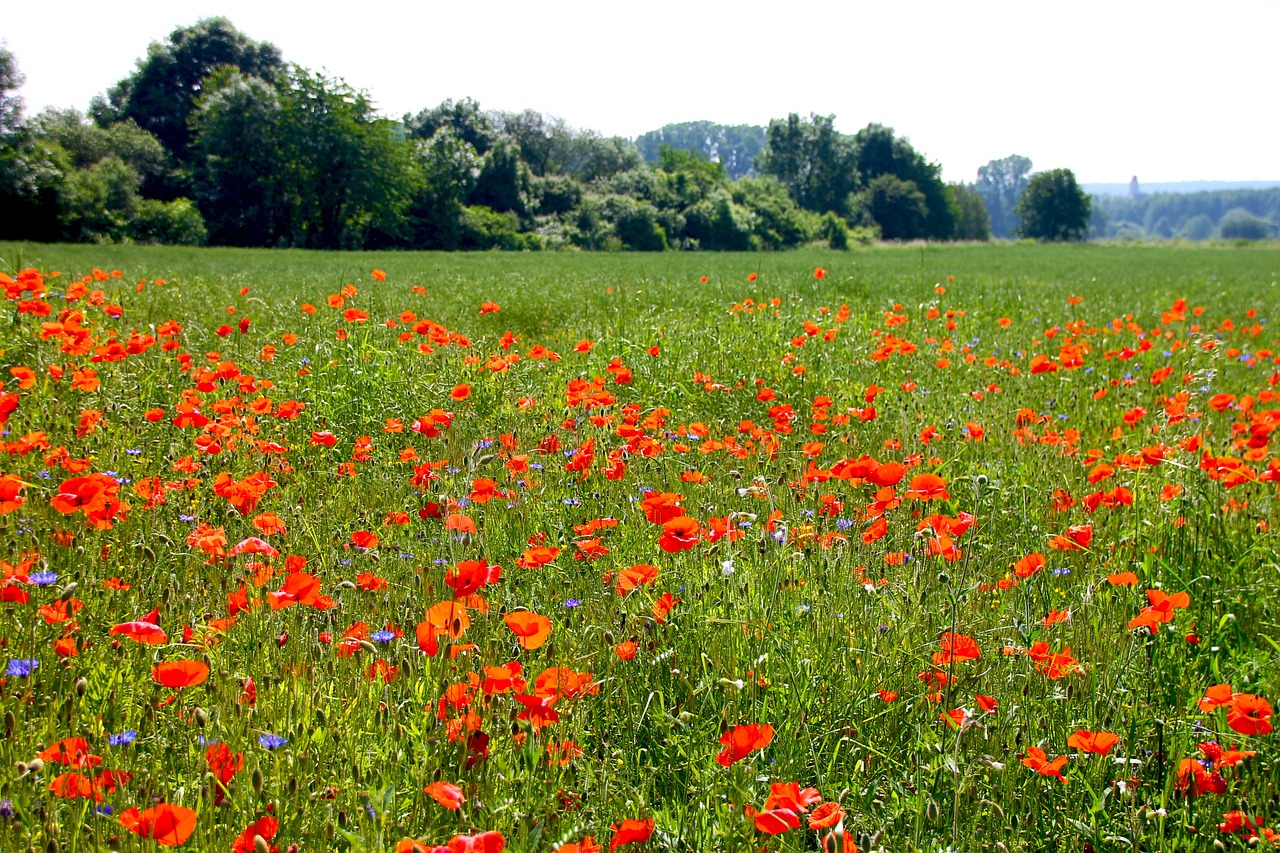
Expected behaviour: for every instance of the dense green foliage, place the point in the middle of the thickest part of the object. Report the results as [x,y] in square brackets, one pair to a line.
[1053,207]
[217,126]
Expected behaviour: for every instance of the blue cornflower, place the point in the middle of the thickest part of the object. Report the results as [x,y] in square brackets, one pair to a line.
[22,668]
[133,451]
[272,741]
[572,603]
[123,738]
[44,578]
[186,518]
[382,636]
[1061,572]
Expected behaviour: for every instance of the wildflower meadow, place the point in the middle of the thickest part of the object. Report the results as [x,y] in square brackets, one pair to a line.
[914,548]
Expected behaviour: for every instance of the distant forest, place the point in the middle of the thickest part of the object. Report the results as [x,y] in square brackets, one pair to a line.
[215,139]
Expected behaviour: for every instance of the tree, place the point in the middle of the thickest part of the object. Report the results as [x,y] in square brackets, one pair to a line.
[1001,183]
[897,206]
[10,102]
[972,220]
[348,175]
[815,162]
[735,147]
[449,168]
[1054,207]
[1240,224]
[546,142]
[471,124]
[237,164]
[162,92]
[881,152]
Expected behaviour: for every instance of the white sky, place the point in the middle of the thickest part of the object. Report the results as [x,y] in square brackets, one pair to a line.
[1165,90]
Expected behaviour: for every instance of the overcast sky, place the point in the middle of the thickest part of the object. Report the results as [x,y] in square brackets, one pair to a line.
[1167,91]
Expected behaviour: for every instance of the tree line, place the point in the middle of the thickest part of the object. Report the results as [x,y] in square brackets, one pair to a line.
[215,139]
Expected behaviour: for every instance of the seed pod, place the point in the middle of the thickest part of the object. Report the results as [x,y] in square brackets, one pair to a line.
[202,717]
[35,765]
[256,779]
[51,846]
[81,686]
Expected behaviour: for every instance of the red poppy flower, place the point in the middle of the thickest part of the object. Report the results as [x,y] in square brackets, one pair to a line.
[180,673]
[264,827]
[72,751]
[1249,714]
[1099,743]
[168,824]
[446,794]
[776,821]
[826,816]
[142,632]
[531,629]
[631,831]
[1039,762]
[741,741]
[928,487]
[679,534]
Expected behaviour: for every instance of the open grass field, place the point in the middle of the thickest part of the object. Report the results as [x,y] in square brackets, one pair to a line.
[965,548]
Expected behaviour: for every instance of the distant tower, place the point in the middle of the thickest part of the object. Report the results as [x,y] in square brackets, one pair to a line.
[1134,192]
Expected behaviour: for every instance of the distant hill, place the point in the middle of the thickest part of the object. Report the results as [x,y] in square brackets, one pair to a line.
[1218,214]
[1179,187]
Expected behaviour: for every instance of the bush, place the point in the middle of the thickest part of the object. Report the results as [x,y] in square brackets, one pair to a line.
[483,228]
[1198,227]
[835,231]
[169,223]
[1240,224]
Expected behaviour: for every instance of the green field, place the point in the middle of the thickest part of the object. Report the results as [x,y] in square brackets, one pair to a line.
[857,521]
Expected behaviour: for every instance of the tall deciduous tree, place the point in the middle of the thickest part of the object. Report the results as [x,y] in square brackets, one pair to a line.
[1054,207]
[972,220]
[882,152]
[815,162]
[161,93]
[1000,183]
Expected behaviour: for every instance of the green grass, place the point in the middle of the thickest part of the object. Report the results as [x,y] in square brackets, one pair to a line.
[799,628]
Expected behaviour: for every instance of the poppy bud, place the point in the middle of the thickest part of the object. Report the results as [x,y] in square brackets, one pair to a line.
[328,831]
[202,717]
[1218,845]
[944,578]
[35,765]
[369,647]
[22,768]
[51,846]
[10,723]
[256,780]
[608,638]
[291,787]
[931,810]
[1001,848]
[260,845]
[347,585]
[81,686]
[342,820]
[113,843]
